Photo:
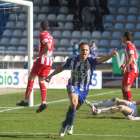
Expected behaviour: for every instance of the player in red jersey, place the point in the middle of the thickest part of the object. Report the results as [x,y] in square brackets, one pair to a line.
[129,68]
[41,66]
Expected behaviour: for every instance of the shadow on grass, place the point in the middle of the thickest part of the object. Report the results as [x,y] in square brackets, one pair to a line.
[30,136]
[105,117]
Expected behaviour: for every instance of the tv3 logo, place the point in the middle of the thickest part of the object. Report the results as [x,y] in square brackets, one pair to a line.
[94,79]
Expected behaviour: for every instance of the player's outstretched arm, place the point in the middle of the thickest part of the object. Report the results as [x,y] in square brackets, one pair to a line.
[56,71]
[106,57]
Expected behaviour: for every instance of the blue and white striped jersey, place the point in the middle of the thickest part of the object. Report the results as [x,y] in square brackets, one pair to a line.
[81,71]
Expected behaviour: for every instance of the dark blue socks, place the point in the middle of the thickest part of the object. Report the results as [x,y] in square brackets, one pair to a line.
[69,117]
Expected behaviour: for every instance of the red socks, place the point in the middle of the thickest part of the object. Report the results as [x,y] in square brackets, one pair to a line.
[29,89]
[43,91]
[127,96]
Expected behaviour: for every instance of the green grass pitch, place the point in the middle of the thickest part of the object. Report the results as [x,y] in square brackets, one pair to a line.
[25,124]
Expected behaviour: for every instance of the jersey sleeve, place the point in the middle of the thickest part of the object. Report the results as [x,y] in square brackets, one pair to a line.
[44,39]
[93,60]
[130,49]
[67,63]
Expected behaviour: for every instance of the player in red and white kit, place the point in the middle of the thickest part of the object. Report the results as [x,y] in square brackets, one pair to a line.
[129,68]
[41,66]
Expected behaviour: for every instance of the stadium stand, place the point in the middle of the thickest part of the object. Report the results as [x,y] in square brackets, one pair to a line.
[106,34]
[124,15]
[76,34]
[56,34]
[86,34]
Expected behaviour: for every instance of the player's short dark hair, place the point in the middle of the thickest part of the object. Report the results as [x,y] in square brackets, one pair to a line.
[75,43]
[83,43]
[44,25]
[128,35]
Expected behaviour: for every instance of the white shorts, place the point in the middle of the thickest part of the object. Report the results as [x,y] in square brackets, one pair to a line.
[133,107]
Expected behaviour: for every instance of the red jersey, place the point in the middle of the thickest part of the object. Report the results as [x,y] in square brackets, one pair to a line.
[130,49]
[44,38]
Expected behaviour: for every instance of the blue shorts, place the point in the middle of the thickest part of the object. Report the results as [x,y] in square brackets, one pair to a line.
[81,94]
[133,107]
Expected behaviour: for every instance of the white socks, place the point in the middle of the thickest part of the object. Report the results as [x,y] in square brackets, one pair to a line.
[107,103]
[110,110]
[129,117]
[43,102]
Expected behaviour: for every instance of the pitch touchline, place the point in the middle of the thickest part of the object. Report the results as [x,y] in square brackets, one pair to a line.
[87,96]
[73,134]
[63,100]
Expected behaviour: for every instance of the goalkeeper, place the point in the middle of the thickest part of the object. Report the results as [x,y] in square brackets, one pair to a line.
[129,109]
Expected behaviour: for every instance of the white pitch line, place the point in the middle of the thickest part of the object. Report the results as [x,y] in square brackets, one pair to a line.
[63,100]
[73,134]
[104,93]
[11,109]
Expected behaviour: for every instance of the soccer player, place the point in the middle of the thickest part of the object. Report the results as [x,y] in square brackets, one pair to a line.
[41,66]
[82,67]
[94,48]
[129,68]
[127,108]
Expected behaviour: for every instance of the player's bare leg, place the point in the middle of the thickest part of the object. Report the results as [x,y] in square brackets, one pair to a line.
[107,103]
[120,108]
[121,102]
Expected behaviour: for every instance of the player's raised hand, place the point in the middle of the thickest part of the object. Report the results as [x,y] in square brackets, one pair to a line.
[114,52]
[35,50]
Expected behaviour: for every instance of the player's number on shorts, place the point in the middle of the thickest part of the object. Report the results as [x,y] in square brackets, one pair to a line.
[94,80]
[128,80]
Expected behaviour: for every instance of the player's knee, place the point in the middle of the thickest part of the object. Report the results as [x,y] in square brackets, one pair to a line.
[74,104]
[126,88]
[115,100]
[121,107]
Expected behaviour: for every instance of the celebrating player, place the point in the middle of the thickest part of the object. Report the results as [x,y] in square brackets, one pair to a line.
[41,66]
[129,68]
[127,108]
[82,67]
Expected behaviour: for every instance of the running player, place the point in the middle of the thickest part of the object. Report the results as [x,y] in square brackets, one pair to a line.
[129,68]
[41,66]
[82,67]
[127,108]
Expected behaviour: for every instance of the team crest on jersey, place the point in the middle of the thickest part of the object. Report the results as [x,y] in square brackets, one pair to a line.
[85,63]
[71,89]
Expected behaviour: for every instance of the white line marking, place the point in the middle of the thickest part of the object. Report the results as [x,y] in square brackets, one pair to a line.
[73,134]
[11,109]
[104,93]
[63,100]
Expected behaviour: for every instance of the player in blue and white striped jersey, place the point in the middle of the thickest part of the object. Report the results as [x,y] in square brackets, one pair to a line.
[82,67]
